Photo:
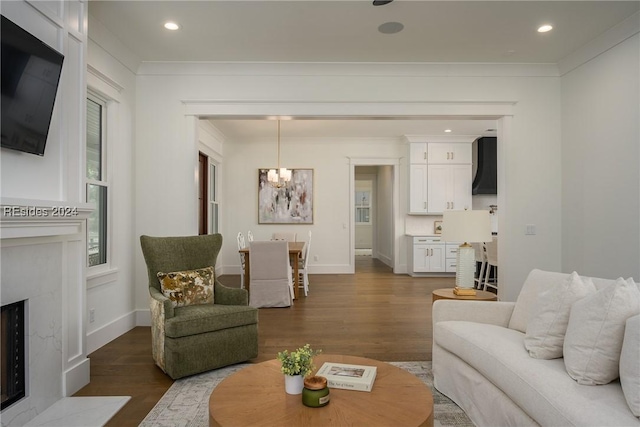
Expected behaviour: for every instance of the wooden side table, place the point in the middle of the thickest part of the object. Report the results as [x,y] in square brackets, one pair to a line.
[447,293]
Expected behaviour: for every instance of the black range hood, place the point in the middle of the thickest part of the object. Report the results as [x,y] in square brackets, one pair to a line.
[486,180]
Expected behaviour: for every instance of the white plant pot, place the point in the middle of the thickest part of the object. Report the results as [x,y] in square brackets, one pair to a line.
[293,384]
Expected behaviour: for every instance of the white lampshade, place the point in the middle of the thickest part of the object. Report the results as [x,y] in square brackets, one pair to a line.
[466,226]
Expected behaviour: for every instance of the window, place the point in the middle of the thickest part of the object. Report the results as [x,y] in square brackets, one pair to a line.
[213,199]
[363,207]
[96,181]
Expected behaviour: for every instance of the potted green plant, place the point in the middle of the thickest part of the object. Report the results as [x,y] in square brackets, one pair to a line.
[295,366]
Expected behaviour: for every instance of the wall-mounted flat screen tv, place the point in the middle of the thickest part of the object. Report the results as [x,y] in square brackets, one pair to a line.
[30,75]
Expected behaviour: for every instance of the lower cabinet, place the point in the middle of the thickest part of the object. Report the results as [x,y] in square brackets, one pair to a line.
[429,255]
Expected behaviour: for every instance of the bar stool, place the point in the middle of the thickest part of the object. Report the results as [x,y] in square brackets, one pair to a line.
[481,257]
[492,261]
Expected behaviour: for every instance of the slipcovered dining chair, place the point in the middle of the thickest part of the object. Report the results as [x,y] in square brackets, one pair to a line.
[197,324]
[271,283]
[284,235]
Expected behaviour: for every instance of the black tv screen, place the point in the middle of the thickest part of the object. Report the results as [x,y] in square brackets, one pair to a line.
[30,75]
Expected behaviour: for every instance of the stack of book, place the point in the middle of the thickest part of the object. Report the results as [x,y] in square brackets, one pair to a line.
[349,377]
[464,291]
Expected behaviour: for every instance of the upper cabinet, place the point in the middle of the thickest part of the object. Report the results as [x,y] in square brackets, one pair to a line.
[439,173]
[449,153]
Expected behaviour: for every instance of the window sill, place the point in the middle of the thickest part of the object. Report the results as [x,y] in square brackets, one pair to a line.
[102,278]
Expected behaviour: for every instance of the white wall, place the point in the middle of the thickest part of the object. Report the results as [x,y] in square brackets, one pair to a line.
[110,293]
[54,176]
[601,164]
[332,204]
[384,212]
[43,258]
[166,158]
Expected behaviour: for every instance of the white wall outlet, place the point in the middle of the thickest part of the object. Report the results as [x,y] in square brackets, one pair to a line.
[92,315]
[530,230]
[316,257]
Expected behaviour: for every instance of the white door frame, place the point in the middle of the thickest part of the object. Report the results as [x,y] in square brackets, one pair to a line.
[395,201]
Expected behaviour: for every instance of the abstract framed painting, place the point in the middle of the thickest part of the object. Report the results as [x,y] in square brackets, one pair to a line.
[289,204]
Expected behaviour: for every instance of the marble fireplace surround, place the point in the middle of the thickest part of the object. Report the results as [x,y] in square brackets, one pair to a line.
[43,259]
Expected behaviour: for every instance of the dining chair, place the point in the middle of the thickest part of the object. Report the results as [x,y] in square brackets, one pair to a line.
[492,261]
[303,271]
[271,282]
[284,235]
[241,245]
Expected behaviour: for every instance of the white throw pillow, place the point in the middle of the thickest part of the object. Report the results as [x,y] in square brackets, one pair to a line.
[595,332]
[550,316]
[630,364]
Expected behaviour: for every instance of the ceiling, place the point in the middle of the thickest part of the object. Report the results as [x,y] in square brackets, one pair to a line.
[347,31]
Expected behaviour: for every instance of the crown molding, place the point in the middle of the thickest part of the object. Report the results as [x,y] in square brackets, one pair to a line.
[614,36]
[347,69]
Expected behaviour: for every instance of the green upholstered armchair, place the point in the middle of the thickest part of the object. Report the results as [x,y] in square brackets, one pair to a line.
[196,338]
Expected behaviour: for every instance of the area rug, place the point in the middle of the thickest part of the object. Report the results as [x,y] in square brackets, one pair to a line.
[186,403]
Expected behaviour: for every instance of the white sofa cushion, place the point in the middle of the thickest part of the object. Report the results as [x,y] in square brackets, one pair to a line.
[550,315]
[537,282]
[540,387]
[595,332]
[630,364]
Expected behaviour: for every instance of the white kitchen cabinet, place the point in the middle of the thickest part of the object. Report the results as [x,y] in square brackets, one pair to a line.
[451,254]
[448,153]
[429,255]
[418,189]
[418,153]
[448,187]
[440,174]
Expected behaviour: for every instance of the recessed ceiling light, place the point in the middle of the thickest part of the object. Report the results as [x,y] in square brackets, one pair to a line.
[447,130]
[171,26]
[390,27]
[545,28]
[381,2]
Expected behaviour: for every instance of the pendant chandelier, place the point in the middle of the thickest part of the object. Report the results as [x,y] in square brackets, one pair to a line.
[281,176]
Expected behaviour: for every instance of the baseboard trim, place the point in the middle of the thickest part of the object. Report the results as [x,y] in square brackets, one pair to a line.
[75,378]
[110,331]
[143,317]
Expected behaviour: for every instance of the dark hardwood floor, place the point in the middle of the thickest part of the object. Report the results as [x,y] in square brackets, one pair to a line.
[373,313]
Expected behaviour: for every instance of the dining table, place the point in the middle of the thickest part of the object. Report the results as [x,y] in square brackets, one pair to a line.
[296,249]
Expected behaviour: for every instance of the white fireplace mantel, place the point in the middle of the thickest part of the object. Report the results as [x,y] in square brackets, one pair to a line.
[43,258]
[20,218]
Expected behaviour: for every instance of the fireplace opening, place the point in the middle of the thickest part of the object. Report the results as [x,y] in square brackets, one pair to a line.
[12,354]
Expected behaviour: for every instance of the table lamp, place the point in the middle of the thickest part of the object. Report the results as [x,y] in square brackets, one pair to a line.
[469,227]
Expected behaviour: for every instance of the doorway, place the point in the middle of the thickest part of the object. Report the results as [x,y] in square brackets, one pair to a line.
[364,210]
[373,207]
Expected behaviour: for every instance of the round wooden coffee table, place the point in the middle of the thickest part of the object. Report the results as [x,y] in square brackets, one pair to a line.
[255,396]
[447,293]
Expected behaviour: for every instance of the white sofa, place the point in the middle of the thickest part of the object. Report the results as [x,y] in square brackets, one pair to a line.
[481,363]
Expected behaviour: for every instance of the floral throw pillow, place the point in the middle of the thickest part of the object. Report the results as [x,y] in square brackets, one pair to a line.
[188,287]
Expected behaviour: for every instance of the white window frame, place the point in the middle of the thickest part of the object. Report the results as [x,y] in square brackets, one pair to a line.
[362,206]
[98,270]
